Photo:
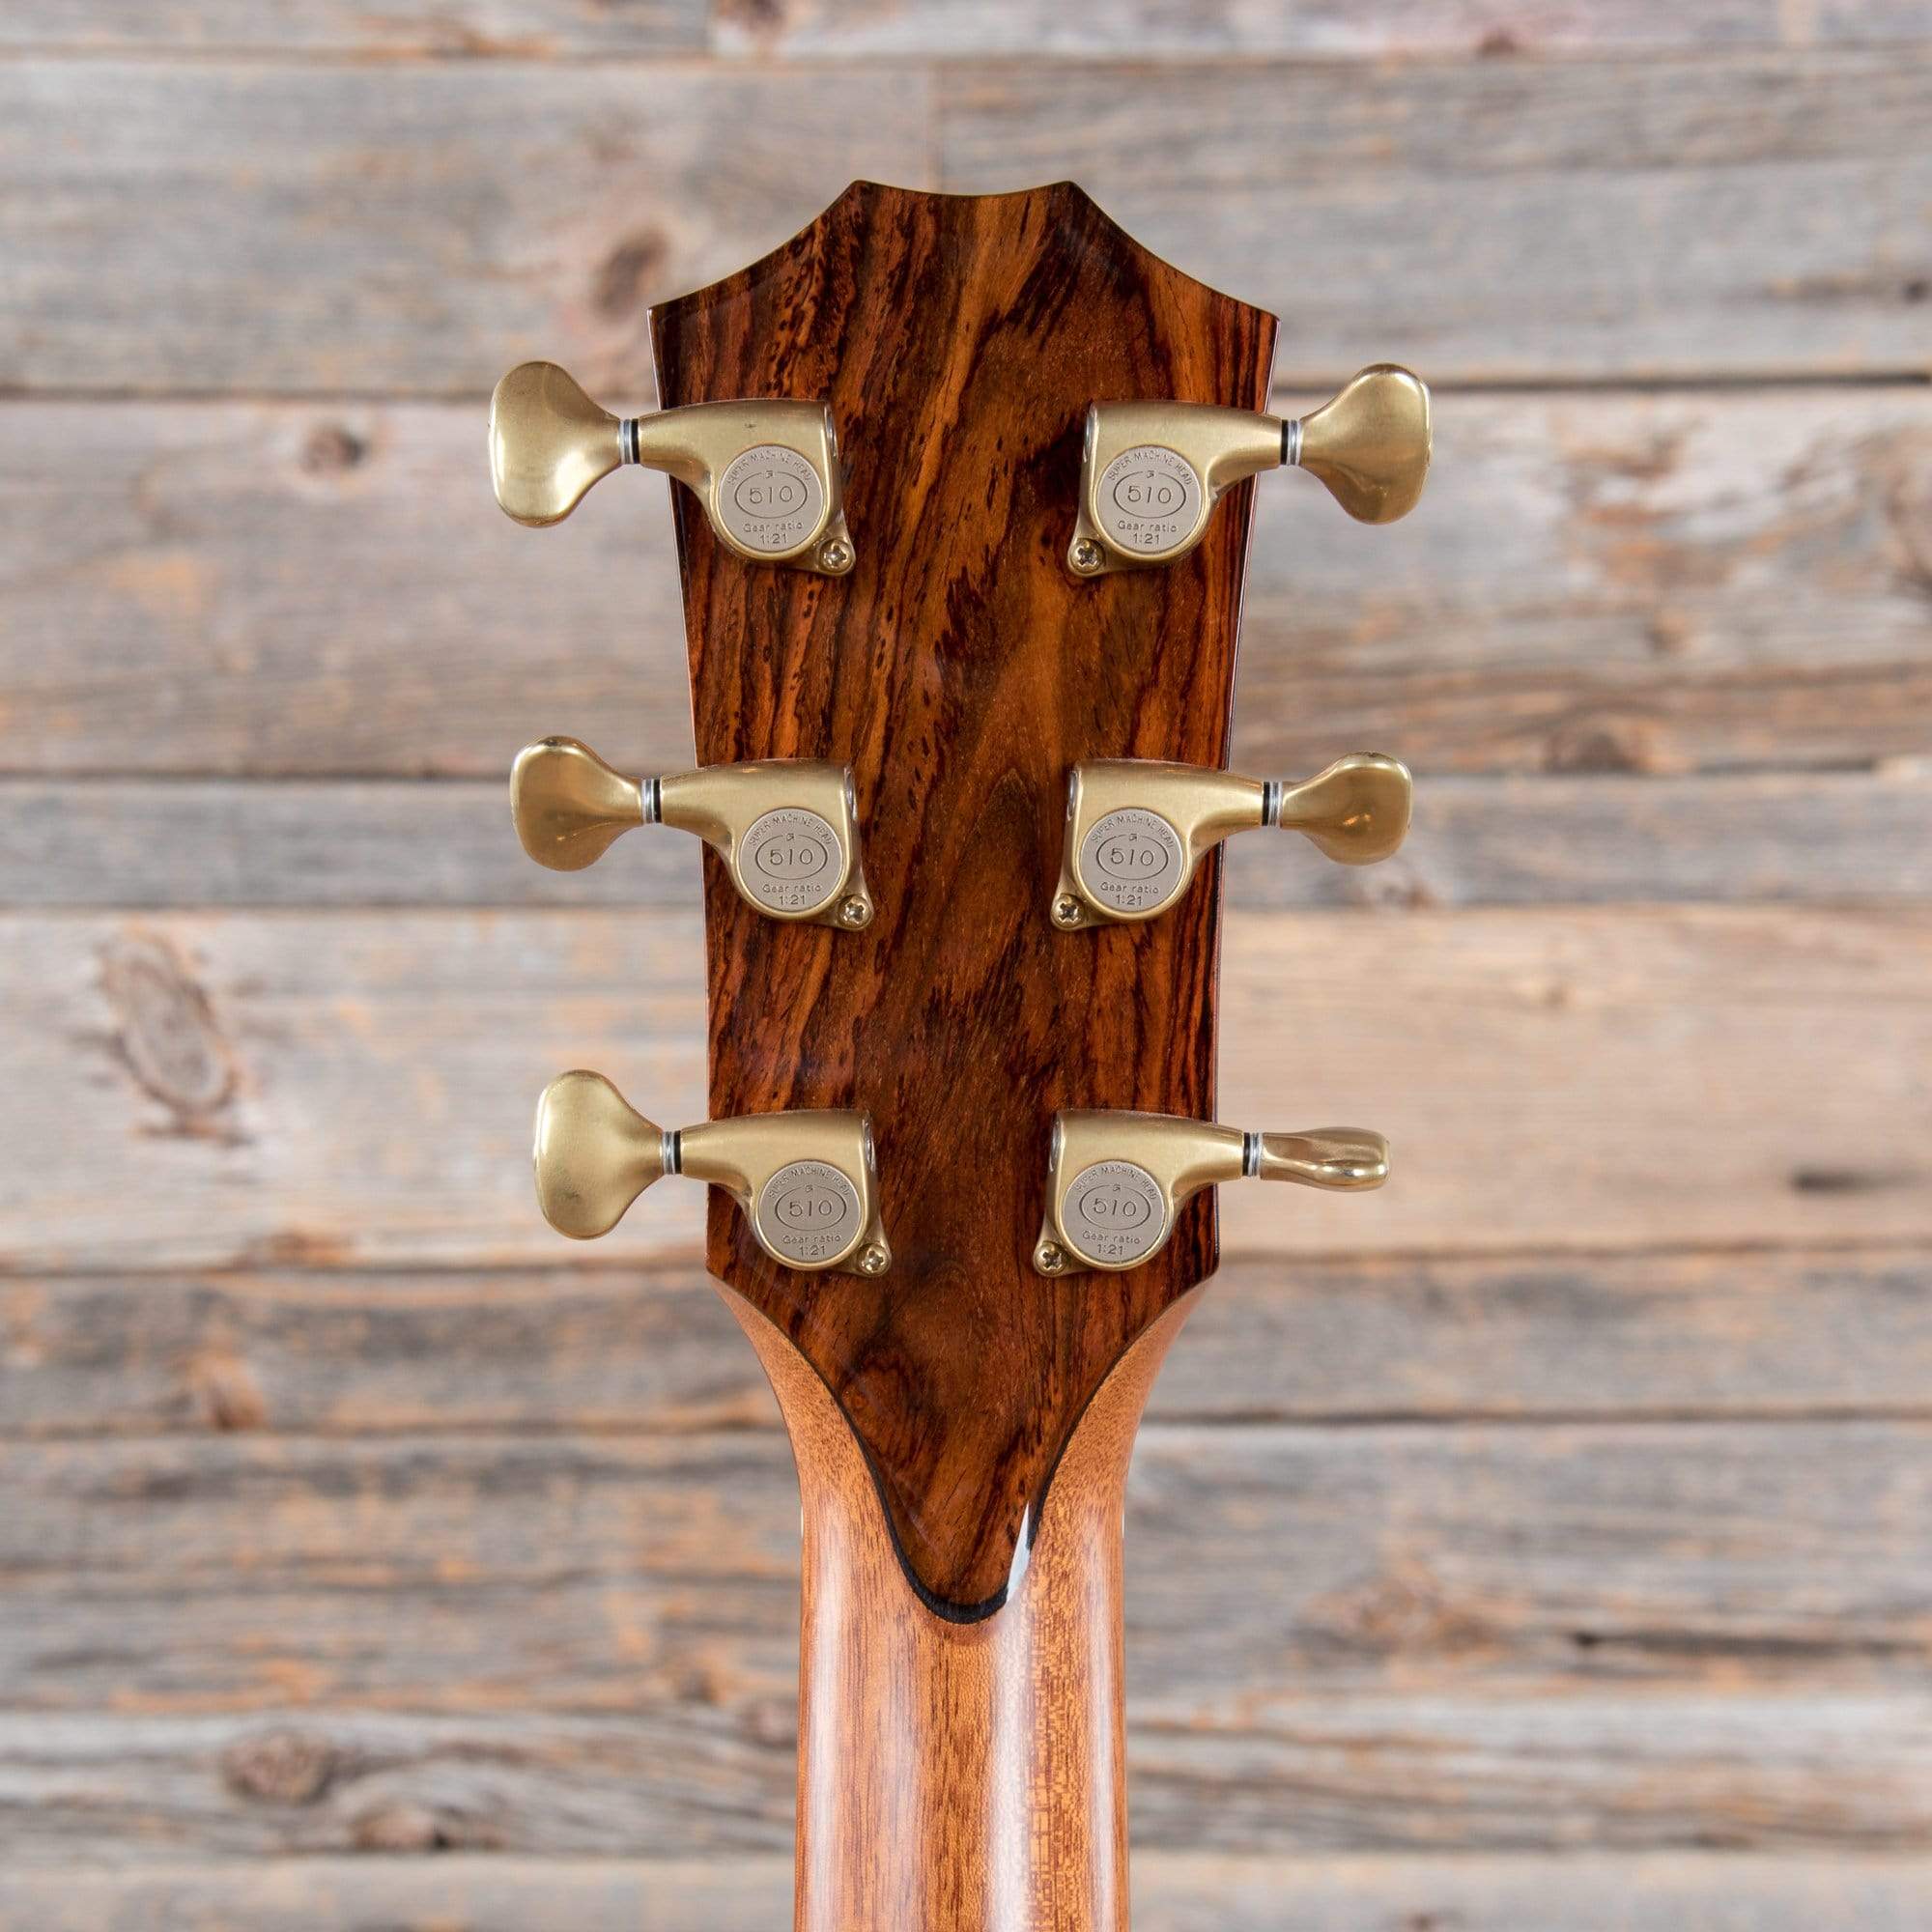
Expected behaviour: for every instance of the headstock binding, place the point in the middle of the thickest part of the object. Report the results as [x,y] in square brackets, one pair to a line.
[962,671]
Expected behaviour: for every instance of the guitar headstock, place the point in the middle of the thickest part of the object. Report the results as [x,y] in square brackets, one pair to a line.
[1024,590]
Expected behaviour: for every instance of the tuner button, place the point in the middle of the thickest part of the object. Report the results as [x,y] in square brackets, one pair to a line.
[1343,1159]
[1370,445]
[1356,811]
[549,443]
[568,805]
[594,1155]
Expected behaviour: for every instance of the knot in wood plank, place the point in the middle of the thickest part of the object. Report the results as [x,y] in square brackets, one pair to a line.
[282,1766]
[333,447]
[167,1032]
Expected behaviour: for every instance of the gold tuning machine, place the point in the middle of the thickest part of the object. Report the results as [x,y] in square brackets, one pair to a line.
[1136,829]
[788,829]
[1116,1181]
[806,1181]
[1152,472]
[766,470]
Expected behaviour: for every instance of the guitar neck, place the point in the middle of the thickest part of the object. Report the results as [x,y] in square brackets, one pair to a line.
[969,1775]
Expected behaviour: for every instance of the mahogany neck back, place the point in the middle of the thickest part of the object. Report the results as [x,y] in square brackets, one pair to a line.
[971,1777]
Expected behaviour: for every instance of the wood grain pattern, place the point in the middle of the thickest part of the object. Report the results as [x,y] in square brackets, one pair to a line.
[1634,1635]
[1153,30]
[1172,1892]
[1407,212]
[1618,219]
[812,28]
[1711,1570]
[1652,586]
[961,671]
[1817,1771]
[466,29]
[351,1089]
[1641,645]
[965,1775]
[1768,1333]
[434,223]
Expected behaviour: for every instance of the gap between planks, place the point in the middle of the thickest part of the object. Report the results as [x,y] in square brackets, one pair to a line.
[1812,1335]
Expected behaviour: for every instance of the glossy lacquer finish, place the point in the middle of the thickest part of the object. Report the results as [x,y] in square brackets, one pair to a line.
[961,1777]
[961,671]
[962,1424]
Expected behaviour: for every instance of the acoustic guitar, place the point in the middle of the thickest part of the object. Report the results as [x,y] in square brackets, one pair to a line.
[962,503]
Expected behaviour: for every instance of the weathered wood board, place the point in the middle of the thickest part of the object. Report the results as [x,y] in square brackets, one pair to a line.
[1172,1893]
[1670,585]
[1142,30]
[429,224]
[1741,215]
[465,29]
[1497,1640]
[1753,214]
[1698,1569]
[345,1088]
[1608,1771]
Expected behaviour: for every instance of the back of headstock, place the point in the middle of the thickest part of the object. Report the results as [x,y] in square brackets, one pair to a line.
[962,549]
[961,671]
[994,649]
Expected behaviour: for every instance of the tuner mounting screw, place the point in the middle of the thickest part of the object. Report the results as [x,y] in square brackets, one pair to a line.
[855,912]
[1087,556]
[1049,1258]
[835,556]
[1066,910]
[873,1260]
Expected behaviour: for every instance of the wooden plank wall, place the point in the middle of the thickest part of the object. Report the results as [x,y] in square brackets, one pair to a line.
[1544,1547]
